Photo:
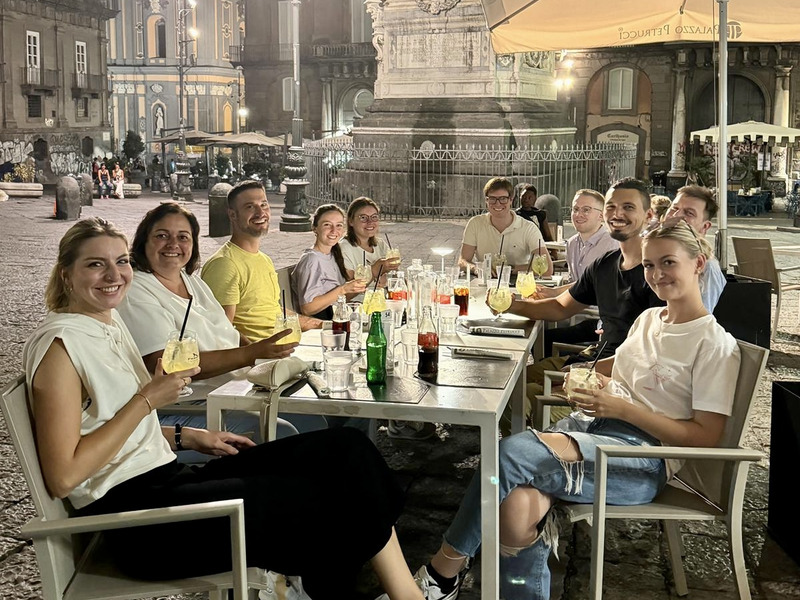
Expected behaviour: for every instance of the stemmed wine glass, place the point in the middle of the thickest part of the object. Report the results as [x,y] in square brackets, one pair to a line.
[500,295]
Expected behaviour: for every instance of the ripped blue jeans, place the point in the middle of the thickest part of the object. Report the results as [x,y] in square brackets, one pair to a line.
[527,461]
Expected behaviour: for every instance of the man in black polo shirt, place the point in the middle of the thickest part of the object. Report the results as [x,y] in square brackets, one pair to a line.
[614,282]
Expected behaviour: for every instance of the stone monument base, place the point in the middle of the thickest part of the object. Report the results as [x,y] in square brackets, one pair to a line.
[480,121]
[294,223]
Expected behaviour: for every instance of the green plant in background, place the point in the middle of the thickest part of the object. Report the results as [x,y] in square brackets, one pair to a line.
[702,169]
[132,147]
[745,170]
[256,167]
[23,173]
[222,164]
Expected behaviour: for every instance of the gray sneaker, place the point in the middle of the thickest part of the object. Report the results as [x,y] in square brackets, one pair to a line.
[410,430]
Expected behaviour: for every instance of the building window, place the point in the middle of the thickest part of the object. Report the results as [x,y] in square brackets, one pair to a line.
[82,107]
[288,84]
[34,54]
[161,39]
[620,89]
[34,107]
[80,64]
[360,22]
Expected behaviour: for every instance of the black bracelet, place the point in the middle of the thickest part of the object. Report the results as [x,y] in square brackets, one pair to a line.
[178,445]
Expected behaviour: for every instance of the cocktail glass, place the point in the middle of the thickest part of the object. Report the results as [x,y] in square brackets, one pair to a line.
[289,322]
[581,376]
[363,273]
[500,295]
[539,264]
[526,284]
[180,354]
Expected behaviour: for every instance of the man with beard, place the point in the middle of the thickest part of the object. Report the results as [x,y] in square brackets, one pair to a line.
[614,283]
[243,278]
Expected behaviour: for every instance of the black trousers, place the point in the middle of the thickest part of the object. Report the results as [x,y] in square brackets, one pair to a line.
[318,505]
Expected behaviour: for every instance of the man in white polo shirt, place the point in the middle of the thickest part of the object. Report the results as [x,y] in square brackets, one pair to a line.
[485,233]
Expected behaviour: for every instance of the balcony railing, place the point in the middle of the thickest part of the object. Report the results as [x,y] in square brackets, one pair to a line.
[357,50]
[84,83]
[39,79]
[251,54]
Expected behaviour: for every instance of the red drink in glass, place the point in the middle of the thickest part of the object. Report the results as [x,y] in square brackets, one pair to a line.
[461,296]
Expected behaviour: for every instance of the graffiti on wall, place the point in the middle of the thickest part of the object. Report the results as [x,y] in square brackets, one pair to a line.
[55,155]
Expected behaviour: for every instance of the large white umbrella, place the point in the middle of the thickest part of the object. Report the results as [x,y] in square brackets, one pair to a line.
[752,131]
[528,25]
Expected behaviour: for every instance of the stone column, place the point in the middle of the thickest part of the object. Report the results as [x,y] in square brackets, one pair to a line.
[327,106]
[780,116]
[678,166]
[104,94]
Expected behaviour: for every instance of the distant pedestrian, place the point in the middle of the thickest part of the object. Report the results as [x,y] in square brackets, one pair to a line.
[104,181]
[118,177]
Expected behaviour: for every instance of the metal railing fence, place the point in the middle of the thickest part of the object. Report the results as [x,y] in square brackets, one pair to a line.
[447,181]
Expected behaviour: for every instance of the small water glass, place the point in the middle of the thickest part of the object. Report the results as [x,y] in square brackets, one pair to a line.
[448,315]
[337,369]
[332,341]
[408,337]
[396,306]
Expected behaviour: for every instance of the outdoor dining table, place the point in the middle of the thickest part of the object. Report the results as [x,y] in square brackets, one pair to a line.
[405,397]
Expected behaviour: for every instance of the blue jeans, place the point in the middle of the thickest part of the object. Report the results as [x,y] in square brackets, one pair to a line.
[527,461]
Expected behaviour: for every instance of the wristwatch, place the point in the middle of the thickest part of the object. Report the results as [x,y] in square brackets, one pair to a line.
[178,445]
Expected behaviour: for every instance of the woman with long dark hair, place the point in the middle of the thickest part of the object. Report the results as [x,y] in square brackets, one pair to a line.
[320,276]
[362,244]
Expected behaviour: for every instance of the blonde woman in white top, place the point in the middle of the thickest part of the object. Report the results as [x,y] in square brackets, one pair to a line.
[100,446]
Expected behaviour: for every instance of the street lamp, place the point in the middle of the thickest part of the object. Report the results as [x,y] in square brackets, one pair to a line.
[243,114]
[295,217]
[185,7]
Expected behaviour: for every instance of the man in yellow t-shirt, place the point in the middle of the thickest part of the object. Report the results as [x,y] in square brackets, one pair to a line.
[241,276]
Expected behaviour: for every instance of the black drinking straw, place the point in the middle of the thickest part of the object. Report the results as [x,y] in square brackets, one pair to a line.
[530,264]
[185,318]
[599,353]
[502,239]
[387,241]
[283,303]
[375,287]
[364,260]
[499,273]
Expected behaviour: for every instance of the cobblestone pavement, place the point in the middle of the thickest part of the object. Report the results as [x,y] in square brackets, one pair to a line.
[435,472]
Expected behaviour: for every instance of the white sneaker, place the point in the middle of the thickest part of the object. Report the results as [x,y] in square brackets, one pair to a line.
[270,592]
[295,589]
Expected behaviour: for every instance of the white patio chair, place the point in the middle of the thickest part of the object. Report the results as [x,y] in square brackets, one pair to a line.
[754,258]
[709,487]
[70,550]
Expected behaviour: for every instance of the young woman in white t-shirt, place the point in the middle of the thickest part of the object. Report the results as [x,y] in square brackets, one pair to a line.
[672,383]
[362,243]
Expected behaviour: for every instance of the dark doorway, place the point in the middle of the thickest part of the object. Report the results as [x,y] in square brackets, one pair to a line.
[87,146]
[745,103]
[40,149]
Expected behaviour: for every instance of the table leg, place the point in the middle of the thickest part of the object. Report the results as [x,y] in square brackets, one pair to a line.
[213,415]
[490,513]
[518,400]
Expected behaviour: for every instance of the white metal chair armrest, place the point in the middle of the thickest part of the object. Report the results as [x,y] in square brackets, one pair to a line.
[679,452]
[549,378]
[785,269]
[559,347]
[41,527]
[233,509]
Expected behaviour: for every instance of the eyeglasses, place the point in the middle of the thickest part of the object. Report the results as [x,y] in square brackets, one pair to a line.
[369,218]
[670,223]
[496,199]
[584,210]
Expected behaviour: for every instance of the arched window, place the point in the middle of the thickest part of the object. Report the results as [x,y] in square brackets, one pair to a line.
[227,117]
[156,37]
[745,103]
[161,39]
[620,90]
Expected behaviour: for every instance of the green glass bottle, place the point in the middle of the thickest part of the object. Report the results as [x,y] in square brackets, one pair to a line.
[376,351]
